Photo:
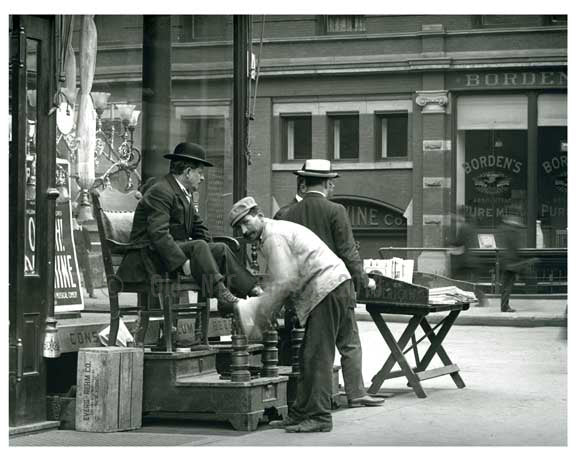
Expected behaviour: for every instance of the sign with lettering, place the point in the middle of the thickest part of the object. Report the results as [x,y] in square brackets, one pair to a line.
[68,295]
[508,80]
[553,181]
[369,215]
[495,169]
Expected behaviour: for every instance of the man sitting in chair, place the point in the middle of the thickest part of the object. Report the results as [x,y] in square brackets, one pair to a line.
[170,237]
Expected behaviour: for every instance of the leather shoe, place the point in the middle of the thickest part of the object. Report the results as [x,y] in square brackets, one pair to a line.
[310,425]
[367,401]
[507,309]
[281,423]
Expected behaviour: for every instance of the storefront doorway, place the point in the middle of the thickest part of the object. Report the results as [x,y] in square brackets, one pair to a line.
[31,221]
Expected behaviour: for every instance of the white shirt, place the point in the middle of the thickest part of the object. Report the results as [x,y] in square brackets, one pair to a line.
[186,193]
[300,267]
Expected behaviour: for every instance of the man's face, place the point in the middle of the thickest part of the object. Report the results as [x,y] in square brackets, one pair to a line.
[251,227]
[194,176]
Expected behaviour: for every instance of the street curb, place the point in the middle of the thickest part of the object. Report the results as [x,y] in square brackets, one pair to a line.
[489,319]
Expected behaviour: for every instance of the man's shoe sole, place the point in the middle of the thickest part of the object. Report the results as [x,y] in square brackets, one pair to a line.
[296,428]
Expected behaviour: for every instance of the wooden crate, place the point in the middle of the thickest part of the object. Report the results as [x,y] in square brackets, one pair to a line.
[109,389]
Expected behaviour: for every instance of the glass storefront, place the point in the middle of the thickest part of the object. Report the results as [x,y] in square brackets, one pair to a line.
[492,158]
[198,105]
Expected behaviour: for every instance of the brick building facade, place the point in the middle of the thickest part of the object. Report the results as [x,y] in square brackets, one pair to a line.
[419,114]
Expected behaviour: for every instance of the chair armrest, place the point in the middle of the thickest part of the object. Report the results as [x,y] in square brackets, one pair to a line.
[232,242]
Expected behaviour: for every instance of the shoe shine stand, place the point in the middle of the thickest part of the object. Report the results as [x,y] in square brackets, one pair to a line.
[187,385]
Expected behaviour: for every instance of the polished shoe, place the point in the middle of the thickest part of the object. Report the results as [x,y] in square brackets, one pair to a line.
[226,300]
[366,401]
[281,423]
[256,291]
[507,309]
[310,425]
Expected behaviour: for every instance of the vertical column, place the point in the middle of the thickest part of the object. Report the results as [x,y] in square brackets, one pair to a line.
[240,132]
[156,93]
[532,171]
[436,174]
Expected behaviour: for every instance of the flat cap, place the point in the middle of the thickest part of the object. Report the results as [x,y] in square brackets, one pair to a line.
[240,209]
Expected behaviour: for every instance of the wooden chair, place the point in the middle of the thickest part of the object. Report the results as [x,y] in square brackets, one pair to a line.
[114,213]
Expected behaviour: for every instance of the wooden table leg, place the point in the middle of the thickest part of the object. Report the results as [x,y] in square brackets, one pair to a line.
[436,346]
[396,355]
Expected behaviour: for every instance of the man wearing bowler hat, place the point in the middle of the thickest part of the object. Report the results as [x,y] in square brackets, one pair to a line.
[330,222]
[301,270]
[172,239]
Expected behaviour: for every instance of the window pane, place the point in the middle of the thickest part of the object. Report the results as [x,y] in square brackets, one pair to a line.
[553,184]
[397,136]
[348,135]
[303,137]
[495,169]
[31,153]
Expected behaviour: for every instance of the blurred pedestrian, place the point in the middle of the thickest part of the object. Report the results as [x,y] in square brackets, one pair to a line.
[511,264]
[463,263]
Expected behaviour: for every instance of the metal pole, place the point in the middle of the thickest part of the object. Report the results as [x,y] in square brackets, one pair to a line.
[156,94]
[240,132]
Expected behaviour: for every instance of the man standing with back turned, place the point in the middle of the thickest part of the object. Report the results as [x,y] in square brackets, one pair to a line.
[330,222]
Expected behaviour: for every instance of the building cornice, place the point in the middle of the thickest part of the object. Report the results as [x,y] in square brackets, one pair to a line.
[356,65]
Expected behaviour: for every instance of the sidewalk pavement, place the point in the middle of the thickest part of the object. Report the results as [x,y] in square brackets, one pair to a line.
[531,311]
[515,396]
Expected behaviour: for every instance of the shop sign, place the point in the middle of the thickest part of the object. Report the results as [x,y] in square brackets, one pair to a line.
[553,185]
[365,214]
[523,79]
[68,294]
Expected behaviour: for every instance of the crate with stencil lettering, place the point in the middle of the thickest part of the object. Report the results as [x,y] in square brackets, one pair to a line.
[109,389]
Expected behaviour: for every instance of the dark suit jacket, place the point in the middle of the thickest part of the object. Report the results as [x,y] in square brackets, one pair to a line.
[282,211]
[330,222]
[162,218]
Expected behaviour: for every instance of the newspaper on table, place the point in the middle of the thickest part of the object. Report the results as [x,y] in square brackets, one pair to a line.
[450,295]
[394,268]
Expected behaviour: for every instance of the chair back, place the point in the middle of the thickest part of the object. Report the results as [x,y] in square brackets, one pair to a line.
[114,213]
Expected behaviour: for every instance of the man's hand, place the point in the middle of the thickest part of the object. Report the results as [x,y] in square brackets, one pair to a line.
[371,284]
[186,268]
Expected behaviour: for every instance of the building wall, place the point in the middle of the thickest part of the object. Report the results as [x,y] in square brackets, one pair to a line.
[423,59]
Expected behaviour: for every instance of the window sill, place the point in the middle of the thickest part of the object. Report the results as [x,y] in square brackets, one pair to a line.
[351,166]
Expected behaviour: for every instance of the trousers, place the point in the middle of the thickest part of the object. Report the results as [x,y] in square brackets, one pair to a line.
[327,321]
[350,349]
[211,263]
[508,278]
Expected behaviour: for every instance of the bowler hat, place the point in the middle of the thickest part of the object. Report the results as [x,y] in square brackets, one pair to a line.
[317,168]
[188,151]
[240,209]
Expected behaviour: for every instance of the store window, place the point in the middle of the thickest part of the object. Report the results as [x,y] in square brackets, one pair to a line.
[344,129]
[392,135]
[553,169]
[492,152]
[340,24]
[297,136]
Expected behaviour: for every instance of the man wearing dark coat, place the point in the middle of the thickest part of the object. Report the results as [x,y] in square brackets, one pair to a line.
[300,191]
[330,222]
[169,237]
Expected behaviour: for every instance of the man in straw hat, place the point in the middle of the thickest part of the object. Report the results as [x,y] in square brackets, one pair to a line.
[330,222]
[170,238]
[302,270]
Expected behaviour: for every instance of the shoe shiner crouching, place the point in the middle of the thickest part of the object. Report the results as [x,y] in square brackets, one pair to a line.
[300,268]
